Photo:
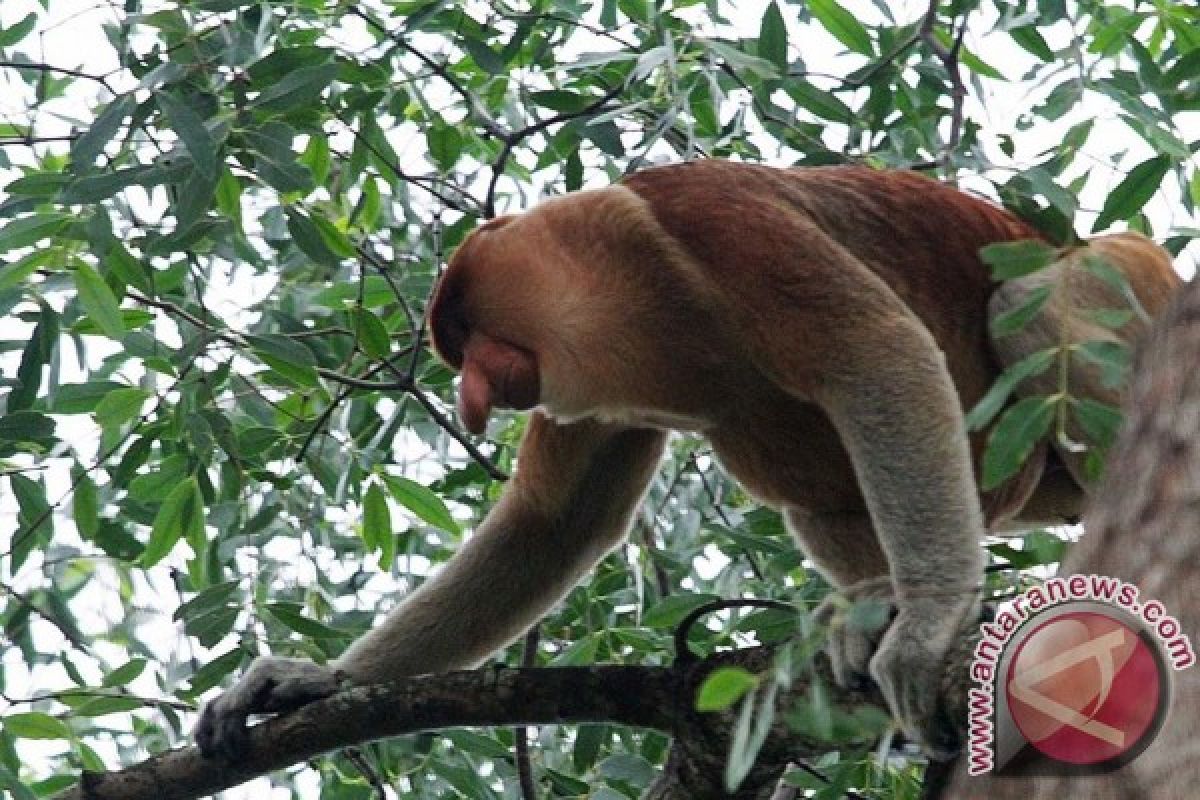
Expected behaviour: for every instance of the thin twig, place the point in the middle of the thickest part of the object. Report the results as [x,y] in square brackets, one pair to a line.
[521,732]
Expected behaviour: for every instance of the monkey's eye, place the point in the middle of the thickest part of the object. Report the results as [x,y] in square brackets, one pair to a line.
[449,326]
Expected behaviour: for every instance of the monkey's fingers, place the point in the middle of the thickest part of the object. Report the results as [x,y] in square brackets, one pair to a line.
[271,685]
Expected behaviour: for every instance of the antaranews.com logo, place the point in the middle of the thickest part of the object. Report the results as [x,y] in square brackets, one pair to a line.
[1073,677]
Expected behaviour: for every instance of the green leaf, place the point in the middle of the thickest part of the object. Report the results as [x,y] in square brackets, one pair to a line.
[670,611]
[92,142]
[1099,421]
[81,398]
[627,768]
[421,500]
[155,484]
[1132,193]
[25,426]
[338,242]
[1010,260]
[98,301]
[300,87]
[291,616]
[1009,322]
[823,104]
[35,725]
[119,406]
[843,25]
[15,33]
[190,128]
[484,56]
[171,522]
[997,396]
[1013,439]
[377,531]
[1028,37]
[85,506]
[287,357]
[723,687]
[1112,358]
[310,240]
[32,229]
[125,673]
[445,144]
[773,38]
[372,336]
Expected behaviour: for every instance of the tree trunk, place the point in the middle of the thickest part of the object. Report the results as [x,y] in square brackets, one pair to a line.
[1144,527]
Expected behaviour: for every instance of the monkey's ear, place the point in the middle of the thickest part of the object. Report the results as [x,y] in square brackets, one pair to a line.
[496,223]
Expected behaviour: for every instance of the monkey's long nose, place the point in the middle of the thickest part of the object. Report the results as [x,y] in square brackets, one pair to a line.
[495,373]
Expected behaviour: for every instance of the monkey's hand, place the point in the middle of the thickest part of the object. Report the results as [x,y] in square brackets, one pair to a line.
[909,665]
[271,685]
[901,649]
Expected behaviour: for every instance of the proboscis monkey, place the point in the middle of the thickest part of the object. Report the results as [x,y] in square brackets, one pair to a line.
[823,327]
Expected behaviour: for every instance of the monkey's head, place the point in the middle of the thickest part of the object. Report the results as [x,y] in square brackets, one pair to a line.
[569,307]
[513,311]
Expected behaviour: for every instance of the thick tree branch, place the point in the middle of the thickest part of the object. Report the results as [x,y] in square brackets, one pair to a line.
[649,697]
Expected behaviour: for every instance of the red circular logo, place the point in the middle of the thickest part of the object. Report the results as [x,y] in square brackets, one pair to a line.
[1085,688]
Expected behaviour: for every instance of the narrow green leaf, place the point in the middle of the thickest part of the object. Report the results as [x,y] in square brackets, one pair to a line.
[190,128]
[90,144]
[35,725]
[823,104]
[119,406]
[843,25]
[997,396]
[309,239]
[1132,193]
[15,33]
[1010,322]
[1099,421]
[1017,432]
[32,229]
[299,87]
[1010,260]
[290,615]
[85,506]
[723,687]
[773,38]
[338,242]
[670,611]
[1030,38]
[125,673]
[377,531]
[421,501]
[98,301]
[1112,358]
[170,523]
[371,333]
[317,158]
[25,426]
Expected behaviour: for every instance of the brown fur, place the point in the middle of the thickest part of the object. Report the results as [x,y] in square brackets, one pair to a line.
[825,328]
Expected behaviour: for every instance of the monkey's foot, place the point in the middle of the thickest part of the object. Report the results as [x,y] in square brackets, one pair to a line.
[856,619]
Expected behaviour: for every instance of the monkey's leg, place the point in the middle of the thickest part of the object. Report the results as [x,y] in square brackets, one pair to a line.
[570,502]
[844,549]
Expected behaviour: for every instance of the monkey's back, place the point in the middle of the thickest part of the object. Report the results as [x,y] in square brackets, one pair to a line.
[745,224]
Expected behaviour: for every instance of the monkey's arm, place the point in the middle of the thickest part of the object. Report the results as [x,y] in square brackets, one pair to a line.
[569,503]
[898,414]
